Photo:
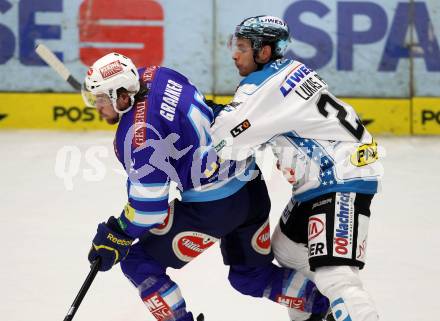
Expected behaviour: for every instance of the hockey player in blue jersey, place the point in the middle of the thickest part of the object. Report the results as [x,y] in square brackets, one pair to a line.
[323,150]
[163,136]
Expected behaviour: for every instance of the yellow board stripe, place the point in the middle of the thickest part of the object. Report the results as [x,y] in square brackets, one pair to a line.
[48,111]
[66,111]
[384,116]
[426,116]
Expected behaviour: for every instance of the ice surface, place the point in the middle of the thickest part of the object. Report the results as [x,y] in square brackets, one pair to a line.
[47,229]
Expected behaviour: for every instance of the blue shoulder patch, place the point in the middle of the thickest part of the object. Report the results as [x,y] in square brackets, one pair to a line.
[269,69]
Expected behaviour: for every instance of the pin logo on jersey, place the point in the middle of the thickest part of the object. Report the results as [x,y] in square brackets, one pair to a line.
[188,245]
[129,212]
[240,128]
[365,154]
[261,239]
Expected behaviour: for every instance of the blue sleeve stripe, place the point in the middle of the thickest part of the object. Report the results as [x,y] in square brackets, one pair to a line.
[302,290]
[149,219]
[145,199]
[142,225]
[178,305]
[142,213]
[171,289]
[141,206]
[287,282]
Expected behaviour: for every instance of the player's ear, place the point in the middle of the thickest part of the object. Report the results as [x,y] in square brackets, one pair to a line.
[123,95]
[123,101]
[265,54]
[126,97]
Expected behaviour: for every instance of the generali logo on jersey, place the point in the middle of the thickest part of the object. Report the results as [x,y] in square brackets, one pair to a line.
[140,118]
[188,245]
[111,69]
[261,239]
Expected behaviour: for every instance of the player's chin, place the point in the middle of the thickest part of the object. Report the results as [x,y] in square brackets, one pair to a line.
[243,72]
[112,120]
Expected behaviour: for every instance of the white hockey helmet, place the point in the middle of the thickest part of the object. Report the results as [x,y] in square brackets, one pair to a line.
[107,75]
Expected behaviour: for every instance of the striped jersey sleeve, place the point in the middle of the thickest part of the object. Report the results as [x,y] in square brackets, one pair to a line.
[147,207]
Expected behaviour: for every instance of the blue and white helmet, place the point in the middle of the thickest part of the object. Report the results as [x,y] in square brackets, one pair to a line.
[265,30]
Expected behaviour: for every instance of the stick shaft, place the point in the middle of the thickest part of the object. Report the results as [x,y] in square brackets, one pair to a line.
[57,65]
[82,292]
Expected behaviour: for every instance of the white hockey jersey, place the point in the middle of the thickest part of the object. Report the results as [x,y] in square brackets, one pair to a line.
[320,142]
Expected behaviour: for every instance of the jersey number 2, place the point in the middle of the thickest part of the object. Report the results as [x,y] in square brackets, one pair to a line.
[325,99]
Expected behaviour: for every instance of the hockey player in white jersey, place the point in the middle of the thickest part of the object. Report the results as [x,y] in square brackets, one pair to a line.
[324,151]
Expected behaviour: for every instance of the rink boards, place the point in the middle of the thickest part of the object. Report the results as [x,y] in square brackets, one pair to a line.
[66,111]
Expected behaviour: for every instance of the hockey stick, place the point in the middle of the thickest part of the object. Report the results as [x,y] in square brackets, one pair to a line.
[49,57]
[84,288]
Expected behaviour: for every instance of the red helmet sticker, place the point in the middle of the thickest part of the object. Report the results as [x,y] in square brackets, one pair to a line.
[188,245]
[111,69]
[261,239]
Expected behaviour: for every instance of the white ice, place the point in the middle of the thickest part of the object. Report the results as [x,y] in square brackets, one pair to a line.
[46,232]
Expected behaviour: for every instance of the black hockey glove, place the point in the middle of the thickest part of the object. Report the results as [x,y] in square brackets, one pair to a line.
[216,108]
[110,244]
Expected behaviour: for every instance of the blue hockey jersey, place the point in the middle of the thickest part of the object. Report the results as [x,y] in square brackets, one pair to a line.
[166,137]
